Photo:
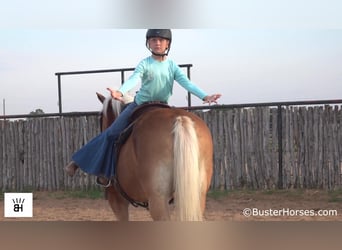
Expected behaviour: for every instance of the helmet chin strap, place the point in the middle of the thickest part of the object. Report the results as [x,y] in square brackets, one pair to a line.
[157,54]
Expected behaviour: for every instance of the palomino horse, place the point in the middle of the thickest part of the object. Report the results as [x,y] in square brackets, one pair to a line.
[168,155]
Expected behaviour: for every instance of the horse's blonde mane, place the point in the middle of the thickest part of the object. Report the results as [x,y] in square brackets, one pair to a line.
[116,105]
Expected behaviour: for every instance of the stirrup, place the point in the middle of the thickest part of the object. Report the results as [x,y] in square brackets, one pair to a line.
[97,182]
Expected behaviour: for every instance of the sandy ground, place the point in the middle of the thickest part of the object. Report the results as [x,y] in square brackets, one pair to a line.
[295,205]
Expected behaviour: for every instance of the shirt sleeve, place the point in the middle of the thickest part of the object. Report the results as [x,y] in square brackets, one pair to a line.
[184,81]
[134,79]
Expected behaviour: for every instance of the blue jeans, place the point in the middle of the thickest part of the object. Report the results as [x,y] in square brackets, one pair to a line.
[97,156]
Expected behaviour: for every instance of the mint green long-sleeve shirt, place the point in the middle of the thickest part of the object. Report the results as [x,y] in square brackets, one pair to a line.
[157,79]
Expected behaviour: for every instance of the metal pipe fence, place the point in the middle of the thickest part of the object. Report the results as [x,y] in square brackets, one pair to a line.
[122,73]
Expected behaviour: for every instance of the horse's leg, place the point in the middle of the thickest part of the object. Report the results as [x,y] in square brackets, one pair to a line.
[118,204]
[159,208]
[206,174]
[203,202]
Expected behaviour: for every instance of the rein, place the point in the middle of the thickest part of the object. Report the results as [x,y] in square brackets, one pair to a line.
[134,203]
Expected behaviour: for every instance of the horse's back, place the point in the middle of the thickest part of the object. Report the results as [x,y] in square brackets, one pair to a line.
[152,138]
[156,126]
[146,162]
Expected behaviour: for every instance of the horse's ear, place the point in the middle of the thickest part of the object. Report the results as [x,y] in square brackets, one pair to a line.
[100,97]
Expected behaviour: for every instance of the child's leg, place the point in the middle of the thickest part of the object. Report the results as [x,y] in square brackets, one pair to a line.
[84,155]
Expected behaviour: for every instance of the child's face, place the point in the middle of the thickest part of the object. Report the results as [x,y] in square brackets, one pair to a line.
[158,44]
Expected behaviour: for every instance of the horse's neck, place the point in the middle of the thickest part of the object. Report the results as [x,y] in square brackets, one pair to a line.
[109,112]
[116,107]
[112,108]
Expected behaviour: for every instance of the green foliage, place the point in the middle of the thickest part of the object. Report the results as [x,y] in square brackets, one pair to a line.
[335,196]
[217,194]
[79,194]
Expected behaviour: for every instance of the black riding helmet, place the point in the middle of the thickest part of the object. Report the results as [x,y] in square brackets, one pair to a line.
[163,33]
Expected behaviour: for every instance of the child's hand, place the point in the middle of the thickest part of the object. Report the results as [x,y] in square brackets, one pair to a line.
[211,98]
[117,95]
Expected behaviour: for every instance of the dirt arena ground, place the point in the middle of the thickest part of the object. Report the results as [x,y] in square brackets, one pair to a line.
[293,205]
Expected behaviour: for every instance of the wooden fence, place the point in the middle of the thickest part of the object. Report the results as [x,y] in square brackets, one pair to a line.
[246,147]
[34,151]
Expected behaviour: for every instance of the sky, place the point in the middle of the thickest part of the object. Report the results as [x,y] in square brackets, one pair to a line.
[248,52]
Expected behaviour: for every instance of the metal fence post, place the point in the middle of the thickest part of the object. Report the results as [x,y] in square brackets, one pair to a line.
[122,77]
[59,93]
[189,94]
[280,147]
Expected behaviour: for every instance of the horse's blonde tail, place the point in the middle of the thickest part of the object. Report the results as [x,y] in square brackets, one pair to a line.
[186,171]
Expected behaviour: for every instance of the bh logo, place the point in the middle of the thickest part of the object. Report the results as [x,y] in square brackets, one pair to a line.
[18,204]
